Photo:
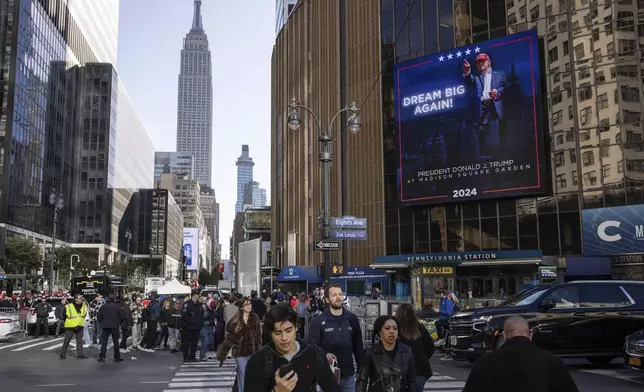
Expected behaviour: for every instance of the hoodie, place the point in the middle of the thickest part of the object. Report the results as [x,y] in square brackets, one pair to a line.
[309,363]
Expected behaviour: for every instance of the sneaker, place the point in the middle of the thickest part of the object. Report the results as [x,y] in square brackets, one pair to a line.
[446,358]
[440,342]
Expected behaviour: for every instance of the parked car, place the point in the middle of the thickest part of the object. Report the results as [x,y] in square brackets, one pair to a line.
[9,325]
[587,319]
[634,350]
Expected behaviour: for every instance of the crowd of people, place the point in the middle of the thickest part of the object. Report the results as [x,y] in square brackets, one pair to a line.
[267,340]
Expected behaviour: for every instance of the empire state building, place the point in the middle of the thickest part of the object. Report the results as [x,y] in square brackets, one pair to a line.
[194,111]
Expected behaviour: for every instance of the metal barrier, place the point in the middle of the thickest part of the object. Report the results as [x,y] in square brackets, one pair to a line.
[19,327]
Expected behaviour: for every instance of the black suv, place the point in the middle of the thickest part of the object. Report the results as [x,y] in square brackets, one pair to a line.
[585,319]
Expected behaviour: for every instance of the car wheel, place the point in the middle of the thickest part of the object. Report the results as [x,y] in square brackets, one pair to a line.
[600,360]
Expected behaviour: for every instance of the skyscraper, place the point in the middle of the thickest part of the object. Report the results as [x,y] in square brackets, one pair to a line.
[283,9]
[194,111]
[244,176]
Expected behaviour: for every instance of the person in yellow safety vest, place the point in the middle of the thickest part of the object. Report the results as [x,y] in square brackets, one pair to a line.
[74,321]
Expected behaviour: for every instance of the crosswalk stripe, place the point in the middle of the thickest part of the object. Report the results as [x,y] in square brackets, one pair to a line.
[200,390]
[36,344]
[443,385]
[16,344]
[230,377]
[199,384]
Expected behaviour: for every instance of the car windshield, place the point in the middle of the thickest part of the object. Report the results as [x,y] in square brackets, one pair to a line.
[525,298]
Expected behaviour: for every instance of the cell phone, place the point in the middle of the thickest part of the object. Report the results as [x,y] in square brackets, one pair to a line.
[285,369]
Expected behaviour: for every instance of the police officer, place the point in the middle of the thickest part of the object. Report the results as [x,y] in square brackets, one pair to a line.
[74,322]
[192,318]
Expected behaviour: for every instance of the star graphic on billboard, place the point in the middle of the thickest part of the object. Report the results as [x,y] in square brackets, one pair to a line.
[477,49]
[468,51]
[459,53]
[441,58]
[449,56]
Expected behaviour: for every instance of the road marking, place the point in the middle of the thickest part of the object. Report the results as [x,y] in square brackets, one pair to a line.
[634,378]
[55,385]
[189,379]
[16,344]
[202,390]
[154,382]
[199,384]
[36,344]
[441,378]
[443,385]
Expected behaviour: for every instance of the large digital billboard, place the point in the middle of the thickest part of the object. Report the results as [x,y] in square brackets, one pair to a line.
[613,231]
[469,123]
[191,248]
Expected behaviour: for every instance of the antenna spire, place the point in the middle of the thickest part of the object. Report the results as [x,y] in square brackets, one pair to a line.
[197,22]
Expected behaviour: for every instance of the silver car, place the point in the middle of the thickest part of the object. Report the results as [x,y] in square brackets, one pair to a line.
[51,318]
[9,326]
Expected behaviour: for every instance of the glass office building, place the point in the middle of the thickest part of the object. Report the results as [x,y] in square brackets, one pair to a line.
[594,106]
[41,41]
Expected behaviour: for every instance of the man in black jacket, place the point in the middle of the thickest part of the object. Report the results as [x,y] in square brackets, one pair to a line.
[42,310]
[192,321]
[126,324]
[258,305]
[337,332]
[307,365]
[519,365]
[110,315]
[60,315]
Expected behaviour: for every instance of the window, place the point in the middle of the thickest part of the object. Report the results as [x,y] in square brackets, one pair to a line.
[630,94]
[586,113]
[559,157]
[561,181]
[575,178]
[605,171]
[598,56]
[601,296]
[610,50]
[602,101]
[626,46]
[553,54]
[564,297]
[579,52]
[557,117]
[590,179]
[534,13]
[588,158]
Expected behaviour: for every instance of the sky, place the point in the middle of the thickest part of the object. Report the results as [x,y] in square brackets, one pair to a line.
[241,37]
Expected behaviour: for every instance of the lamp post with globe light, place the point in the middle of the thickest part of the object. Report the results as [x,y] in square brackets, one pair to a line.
[325,157]
[58,201]
[128,238]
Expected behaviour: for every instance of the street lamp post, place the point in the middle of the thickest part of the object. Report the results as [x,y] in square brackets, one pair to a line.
[58,201]
[128,237]
[71,268]
[150,269]
[325,157]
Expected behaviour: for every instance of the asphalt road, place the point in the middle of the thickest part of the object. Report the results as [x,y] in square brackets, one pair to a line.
[34,366]
[589,378]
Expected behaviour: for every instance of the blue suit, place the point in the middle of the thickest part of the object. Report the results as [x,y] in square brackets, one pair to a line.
[446,305]
[499,82]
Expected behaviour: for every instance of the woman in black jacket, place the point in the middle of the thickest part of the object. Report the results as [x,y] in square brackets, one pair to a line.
[415,335]
[388,365]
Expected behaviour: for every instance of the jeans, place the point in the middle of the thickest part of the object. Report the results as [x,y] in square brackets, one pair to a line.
[348,384]
[420,383]
[301,326]
[98,333]
[150,337]
[106,333]
[173,336]
[189,339]
[207,336]
[162,337]
[136,334]
[41,322]
[59,326]
[241,363]
[125,333]
[69,334]
[86,336]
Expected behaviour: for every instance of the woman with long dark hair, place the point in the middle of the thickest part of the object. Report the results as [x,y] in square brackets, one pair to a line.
[244,338]
[387,365]
[412,333]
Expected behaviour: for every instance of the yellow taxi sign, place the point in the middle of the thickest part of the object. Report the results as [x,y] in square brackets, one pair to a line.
[434,270]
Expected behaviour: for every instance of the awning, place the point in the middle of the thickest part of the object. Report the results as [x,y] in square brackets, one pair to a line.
[389,265]
[365,273]
[298,273]
[500,262]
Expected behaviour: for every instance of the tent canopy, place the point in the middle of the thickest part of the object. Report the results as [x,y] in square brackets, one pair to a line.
[174,287]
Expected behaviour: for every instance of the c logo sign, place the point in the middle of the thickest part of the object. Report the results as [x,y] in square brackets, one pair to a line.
[290,271]
[601,231]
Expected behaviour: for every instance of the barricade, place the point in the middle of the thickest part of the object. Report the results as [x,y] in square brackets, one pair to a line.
[20,331]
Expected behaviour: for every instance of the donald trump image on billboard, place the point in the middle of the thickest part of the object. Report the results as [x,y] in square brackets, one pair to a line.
[490,85]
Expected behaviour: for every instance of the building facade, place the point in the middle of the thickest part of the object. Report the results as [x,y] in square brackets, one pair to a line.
[209,211]
[187,194]
[245,166]
[61,129]
[171,162]
[156,223]
[194,111]
[283,9]
[593,129]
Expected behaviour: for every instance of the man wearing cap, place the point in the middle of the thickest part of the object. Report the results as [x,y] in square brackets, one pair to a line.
[490,85]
